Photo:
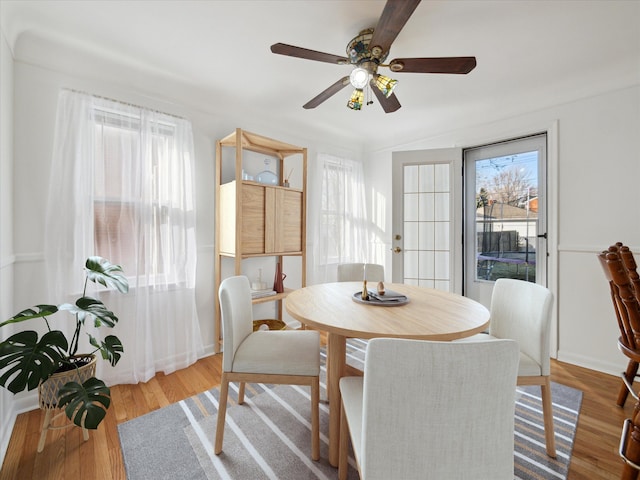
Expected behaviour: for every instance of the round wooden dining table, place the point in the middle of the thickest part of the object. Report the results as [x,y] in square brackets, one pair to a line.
[429,314]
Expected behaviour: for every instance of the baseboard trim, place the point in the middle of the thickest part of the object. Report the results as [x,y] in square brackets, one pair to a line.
[6,429]
[588,362]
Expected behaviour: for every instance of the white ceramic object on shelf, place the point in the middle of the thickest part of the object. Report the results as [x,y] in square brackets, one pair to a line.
[267,176]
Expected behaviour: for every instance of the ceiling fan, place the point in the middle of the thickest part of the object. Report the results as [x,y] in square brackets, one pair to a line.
[368,51]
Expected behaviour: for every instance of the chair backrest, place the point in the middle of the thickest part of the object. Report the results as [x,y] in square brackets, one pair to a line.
[626,332]
[237,316]
[522,311]
[354,272]
[625,301]
[626,255]
[442,408]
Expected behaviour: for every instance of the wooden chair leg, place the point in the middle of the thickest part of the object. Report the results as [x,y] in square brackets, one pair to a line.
[222,412]
[315,419]
[547,412]
[241,393]
[343,447]
[45,429]
[630,374]
[327,364]
[633,447]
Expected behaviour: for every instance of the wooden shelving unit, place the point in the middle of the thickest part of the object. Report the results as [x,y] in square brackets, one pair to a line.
[255,219]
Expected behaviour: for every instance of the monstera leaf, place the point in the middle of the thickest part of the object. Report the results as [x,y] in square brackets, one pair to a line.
[100,270]
[91,307]
[86,404]
[28,360]
[111,348]
[29,313]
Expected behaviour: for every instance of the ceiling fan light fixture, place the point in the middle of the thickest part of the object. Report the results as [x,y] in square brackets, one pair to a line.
[386,85]
[359,78]
[356,100]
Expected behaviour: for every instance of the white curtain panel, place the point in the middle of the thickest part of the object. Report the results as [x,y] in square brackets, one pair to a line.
[340,225]
[122,187]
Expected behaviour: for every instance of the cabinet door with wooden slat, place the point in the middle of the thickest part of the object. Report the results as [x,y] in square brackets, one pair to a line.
[253,219]
[288,221]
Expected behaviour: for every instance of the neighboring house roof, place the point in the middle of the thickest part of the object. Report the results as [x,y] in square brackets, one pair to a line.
[503,211]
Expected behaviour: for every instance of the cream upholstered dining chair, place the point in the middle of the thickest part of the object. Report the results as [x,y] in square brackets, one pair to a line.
[521,311]
[431,410]
[354,272]
[274,357]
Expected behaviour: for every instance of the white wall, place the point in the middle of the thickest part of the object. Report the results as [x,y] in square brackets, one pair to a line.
[598,172]
[7,410]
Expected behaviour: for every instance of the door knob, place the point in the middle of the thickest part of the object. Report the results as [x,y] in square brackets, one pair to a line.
[396,250]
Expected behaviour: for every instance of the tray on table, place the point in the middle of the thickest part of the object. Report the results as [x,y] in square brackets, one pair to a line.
[389,299]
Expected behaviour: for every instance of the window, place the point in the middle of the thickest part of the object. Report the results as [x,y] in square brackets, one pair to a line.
[340,225]
[114,216]
[125,199]
[342,219]
[122,187]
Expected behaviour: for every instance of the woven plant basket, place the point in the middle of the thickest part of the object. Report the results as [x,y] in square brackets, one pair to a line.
[48,390]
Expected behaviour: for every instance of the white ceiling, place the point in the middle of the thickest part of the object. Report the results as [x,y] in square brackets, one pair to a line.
[530,54]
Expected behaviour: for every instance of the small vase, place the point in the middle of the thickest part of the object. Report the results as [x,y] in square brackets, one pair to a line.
[278,280]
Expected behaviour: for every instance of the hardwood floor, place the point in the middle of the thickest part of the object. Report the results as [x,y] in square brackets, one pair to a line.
[67,456]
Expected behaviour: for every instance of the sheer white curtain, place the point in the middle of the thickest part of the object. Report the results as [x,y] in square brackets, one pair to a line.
[340,223]
[122,188]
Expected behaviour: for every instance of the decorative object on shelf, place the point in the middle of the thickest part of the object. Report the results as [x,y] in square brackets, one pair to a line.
[259,284]
[278,280]
[64,378]
[287,179]
[267,176]
[263,293]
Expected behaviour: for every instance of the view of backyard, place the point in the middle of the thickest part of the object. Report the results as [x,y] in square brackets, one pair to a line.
[506,217]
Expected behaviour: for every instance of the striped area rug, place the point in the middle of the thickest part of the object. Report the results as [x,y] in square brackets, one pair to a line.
[269,437]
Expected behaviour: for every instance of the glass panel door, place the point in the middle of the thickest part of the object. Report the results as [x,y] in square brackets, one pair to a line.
[424,225]
[505,224]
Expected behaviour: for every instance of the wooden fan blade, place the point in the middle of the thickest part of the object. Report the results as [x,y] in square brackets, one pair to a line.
[299,52]
[329,92]
[460,65]
[393,18]
[390,104]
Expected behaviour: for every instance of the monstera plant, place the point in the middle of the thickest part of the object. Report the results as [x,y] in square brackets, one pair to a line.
[27,362]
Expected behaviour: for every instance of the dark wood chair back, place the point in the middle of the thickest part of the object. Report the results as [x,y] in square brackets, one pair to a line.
[626,255]
[618,262]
